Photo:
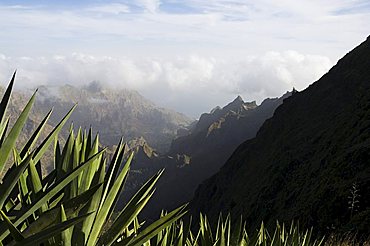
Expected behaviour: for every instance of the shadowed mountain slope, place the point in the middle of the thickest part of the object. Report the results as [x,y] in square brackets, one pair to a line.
[199,154]
[305,159]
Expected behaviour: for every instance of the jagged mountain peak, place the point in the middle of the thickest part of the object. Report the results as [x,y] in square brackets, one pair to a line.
[215,109]
[236,106]
[239,98]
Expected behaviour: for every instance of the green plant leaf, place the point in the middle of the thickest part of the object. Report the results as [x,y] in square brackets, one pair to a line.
[104,209]
[52,191]
[50,138]
[93,205]
[88,175]
[66,235]
[125,218]
[130,211]
[5,100]
[11,179]
[50,217]
[114,166]
[13,230]
[4,128]
[51,231]
[10,140]
[33,139]
[154,228]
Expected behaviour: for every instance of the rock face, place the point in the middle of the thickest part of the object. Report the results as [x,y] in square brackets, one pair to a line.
[202,150]
[225,128]
[304,161]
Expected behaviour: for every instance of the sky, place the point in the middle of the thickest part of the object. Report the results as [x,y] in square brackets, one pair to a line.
[189,56]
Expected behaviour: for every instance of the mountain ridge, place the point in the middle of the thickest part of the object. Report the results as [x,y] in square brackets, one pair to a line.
[304,160]
[114,113]
[201,152]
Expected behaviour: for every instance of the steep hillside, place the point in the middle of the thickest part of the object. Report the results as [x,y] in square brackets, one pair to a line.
[305,160]
[225,128]
[198,155]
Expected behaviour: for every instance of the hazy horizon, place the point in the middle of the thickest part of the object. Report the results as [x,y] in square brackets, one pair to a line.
[188,56]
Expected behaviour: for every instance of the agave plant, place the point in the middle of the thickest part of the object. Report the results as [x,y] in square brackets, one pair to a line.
[72,204]
[228,234]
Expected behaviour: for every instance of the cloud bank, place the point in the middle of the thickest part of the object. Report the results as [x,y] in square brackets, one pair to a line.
[189,55]
[191,84]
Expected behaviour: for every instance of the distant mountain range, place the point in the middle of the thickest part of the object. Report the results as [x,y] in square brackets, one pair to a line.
[307,161]
[114,113]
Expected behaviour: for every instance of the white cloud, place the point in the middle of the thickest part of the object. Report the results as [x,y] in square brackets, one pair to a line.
[150,6]
[206,80]
[110,8]
[219,27]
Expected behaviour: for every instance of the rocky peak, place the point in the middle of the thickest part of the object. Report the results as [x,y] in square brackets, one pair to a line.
[234,105]
[94,87]
[140,147]
[239,98]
